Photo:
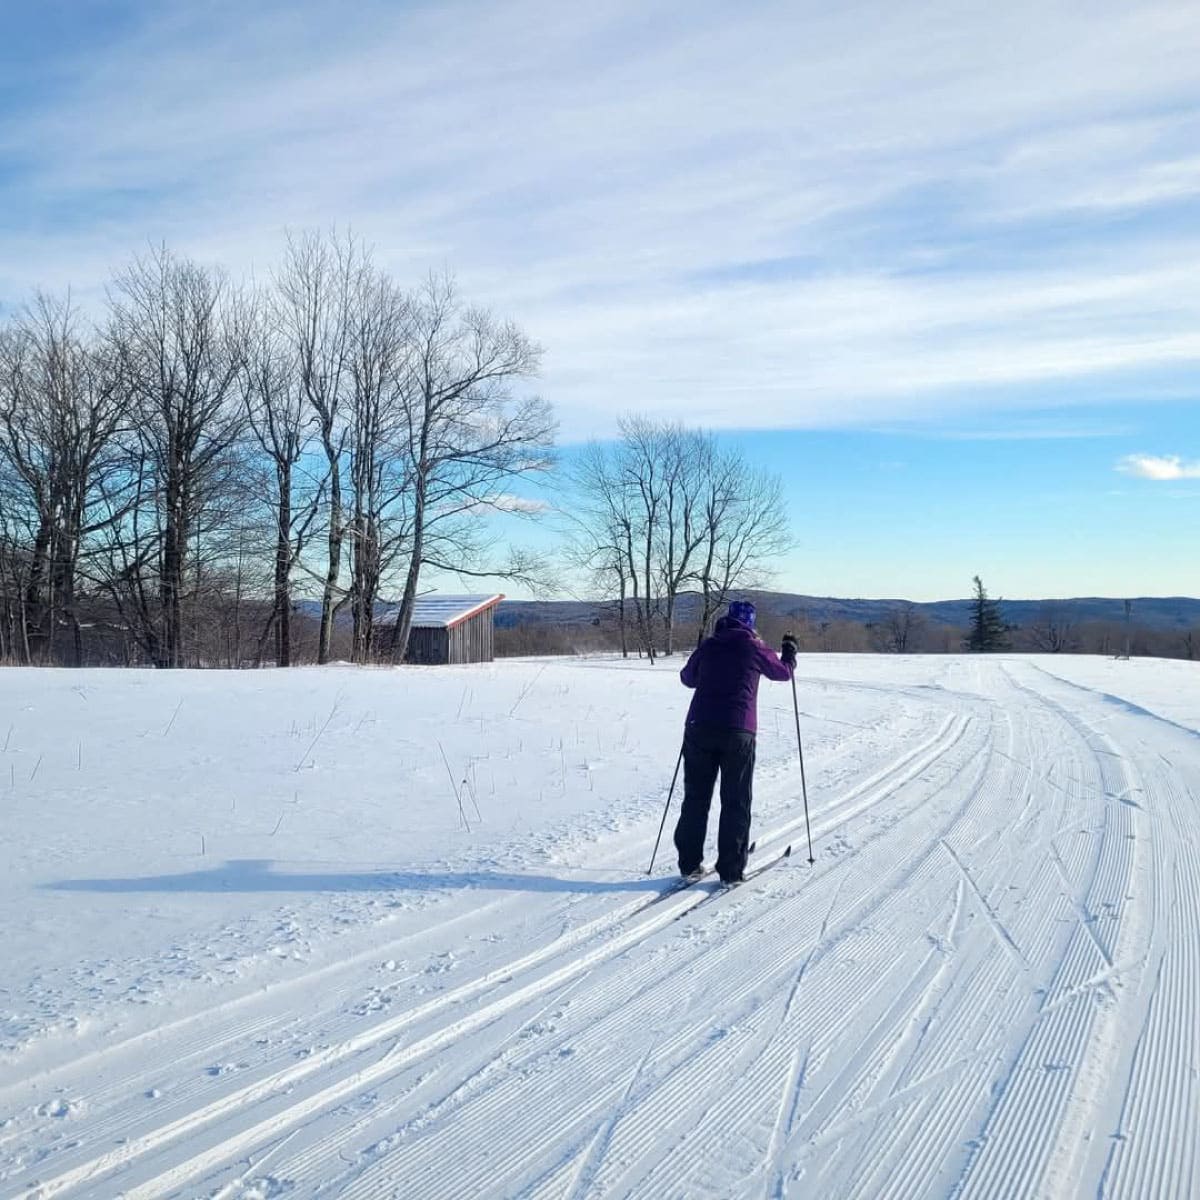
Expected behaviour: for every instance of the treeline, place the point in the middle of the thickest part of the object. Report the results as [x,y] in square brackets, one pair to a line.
[176,473]
[905,629]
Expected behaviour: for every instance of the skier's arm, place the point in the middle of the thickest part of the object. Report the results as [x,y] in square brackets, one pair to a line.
[690,675]
[772,666]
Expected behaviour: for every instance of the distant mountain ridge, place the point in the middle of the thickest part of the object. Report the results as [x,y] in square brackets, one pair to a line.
[1149,612]
[1158,613]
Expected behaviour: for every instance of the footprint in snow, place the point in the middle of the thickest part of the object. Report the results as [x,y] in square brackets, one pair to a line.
[266,1187]
[376,1000]
[57,1108]
[224,1069]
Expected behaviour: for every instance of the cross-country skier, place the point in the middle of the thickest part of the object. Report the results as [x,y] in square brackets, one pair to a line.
[720,735]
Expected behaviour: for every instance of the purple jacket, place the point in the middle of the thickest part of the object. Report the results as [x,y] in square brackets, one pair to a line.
[724,670]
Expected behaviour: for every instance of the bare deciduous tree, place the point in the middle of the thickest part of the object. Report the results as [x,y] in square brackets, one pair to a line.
[179,334]
[665,509]
[316,286]
[687,456]
[903,629]
[61,404]
[466,438]
[745,532]
[380,525]
[283,424]
[1053,631]
[599,530]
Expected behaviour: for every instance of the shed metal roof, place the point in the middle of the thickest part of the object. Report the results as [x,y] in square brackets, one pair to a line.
[444,612]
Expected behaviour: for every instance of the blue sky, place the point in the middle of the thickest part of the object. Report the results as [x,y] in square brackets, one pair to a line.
[938,265]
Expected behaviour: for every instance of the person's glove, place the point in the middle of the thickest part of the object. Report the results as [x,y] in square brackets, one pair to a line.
[789,649]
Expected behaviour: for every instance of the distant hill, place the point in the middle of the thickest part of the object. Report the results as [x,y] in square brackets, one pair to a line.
[1150,612]
[1158,613]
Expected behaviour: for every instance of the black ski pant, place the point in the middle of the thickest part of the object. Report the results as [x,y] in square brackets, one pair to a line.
[707,751]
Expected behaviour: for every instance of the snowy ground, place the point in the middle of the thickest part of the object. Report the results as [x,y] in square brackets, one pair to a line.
[249,948]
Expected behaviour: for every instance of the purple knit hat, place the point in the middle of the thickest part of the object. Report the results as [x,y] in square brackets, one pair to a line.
[742,611]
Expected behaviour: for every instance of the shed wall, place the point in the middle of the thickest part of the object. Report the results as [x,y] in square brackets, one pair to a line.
[473,640]
[429,647]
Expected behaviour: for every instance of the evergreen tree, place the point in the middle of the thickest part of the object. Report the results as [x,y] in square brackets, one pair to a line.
[988,630]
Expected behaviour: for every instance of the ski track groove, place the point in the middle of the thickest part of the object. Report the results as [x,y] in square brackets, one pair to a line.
[1153,1149]
[497,1058]
[598,1147]
[785,1120]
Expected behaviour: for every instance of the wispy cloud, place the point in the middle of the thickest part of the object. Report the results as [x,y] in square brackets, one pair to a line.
[781,215]
[1018,429]
[1161,468]
[507,502]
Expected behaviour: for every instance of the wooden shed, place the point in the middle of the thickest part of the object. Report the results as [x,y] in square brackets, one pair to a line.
[453,629]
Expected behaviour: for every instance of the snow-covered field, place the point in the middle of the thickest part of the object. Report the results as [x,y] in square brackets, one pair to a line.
[249,947]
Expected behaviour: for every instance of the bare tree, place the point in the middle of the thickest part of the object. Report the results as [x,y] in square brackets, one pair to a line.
[745,532]
[465,438]
[283,425]
[179,334]
[61,403]
[643,478]
[380,525]
[903,629]
[664,509]
[688,457]
[599,530]
[1054,631]
[316,287]
[14,582]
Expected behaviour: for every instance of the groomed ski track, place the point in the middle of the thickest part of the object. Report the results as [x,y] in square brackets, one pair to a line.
[987,985]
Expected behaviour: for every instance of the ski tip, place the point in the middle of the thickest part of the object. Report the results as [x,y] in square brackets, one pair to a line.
[787,852]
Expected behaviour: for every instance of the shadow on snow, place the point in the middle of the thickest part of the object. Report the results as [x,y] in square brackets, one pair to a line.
[256,875]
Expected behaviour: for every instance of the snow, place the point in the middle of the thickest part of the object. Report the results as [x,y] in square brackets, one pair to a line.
[361,933]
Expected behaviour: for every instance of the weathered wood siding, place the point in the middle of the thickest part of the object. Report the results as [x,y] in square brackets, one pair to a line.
[471,641]
[428,647]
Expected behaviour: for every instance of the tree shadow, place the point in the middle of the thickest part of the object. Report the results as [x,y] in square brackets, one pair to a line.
[256,875]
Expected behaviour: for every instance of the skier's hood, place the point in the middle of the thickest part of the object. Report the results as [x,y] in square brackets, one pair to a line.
[731,627]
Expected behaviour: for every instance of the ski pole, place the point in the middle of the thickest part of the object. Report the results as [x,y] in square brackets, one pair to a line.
[663,825]
[803,785]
